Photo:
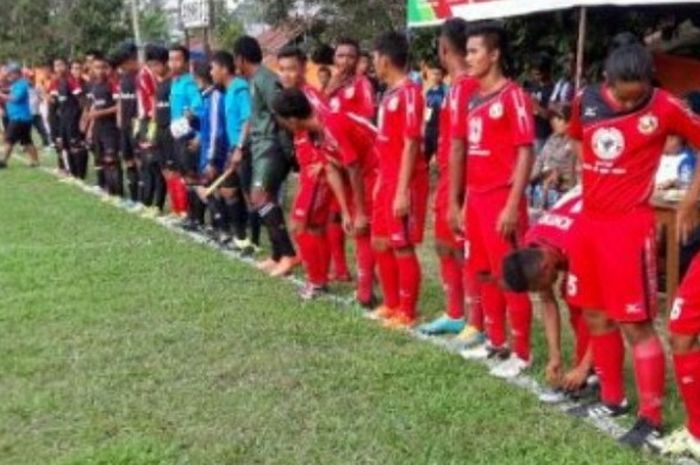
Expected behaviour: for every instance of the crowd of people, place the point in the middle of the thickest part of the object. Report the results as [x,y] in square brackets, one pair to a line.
[219,139]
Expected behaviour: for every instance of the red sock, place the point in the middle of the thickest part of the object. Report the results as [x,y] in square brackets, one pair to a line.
[608,360]
[310,249]
[649,371]
[409,283]
[578,324]
[494,304]
[177,190]
[336,242]
[520,314]
[688,378]
[453,285]
[388,277]
[365,268]
[472,289]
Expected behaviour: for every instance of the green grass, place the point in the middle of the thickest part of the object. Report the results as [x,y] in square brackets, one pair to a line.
[123,343]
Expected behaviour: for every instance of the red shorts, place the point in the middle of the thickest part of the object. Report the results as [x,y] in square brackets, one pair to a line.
[406,231]
[484,247]
[312,202]
[685,315]
[612,265]
[443,232]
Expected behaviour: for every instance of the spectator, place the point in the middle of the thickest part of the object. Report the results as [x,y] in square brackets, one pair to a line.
[434,97]
[564,88]
[541,88]
[35,100]
[677,165]
[324,77]
[555,169]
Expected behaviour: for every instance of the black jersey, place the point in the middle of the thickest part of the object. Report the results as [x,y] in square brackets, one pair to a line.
[104,95]
[162,113]
[128,99]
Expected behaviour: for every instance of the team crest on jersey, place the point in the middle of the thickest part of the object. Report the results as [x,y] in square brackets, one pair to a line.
[393,103]
[608,143]
[349,92]
[648,124]
[496,110]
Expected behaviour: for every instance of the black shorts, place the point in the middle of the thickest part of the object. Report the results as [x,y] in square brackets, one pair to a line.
[107,143]
[19,132]
[127,143]
[163,148]
[270,169]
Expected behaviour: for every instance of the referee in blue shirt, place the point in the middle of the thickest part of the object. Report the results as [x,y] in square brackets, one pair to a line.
[19,115]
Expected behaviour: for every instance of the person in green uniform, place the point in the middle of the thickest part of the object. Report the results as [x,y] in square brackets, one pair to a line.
[271,154]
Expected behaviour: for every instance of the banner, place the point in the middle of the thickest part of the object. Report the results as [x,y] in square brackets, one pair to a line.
[194,14]
[434,12]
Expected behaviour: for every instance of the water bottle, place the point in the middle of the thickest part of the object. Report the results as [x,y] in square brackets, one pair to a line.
[686,170]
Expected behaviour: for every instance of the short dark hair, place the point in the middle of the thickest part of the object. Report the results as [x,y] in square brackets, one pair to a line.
[292,51]
[292,103]
[248,48]
[323,55]
[454,30]
[127,51]
[182,49]
[622,39]
[521,268]
[202,70]
[495,37]
[324,69]
[225,60]
[542,61]
[349,41]
[629,63]
[93,52]
[156,53]
[394,46]
[99,56]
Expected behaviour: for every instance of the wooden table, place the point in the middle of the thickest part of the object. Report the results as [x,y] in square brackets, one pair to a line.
[666,212]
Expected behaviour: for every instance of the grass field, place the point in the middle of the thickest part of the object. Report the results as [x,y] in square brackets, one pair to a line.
[123,343]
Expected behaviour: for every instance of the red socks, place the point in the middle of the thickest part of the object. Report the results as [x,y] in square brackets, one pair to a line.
[313,250]
[688,378]
[336,241]
[494,313]
[177,190]
[578,324]
[409,283]
[520,315]
[649,372]
[472,289]
[388,277]
[608,360]
[453,285]
[365,267]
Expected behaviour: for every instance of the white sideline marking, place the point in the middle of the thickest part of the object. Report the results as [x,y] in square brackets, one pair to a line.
[607,426]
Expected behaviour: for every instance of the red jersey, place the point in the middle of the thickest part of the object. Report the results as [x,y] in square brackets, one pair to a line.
[499,124]
[355,97]
[350,142]
[555,226]
[145,92]
[622,149]
[305,151]
[453,124]
[400,118]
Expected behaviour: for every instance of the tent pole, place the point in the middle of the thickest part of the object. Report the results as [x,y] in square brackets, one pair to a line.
[581,46]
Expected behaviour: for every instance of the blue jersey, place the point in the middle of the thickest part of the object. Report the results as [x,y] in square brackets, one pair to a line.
[238,107]
[212,130]
[184,95]
[18,108]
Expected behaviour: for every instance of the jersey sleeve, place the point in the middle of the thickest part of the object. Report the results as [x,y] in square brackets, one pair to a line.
[519,110]
[365,94]
[413,107]
[575,126]
[459,107]
[683,121]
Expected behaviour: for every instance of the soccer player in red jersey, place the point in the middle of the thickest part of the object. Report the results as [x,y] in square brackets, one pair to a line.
[401,194]
[318,155]
[351,93]
[537,268]
[452,138]
[621,128]
[500,137]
